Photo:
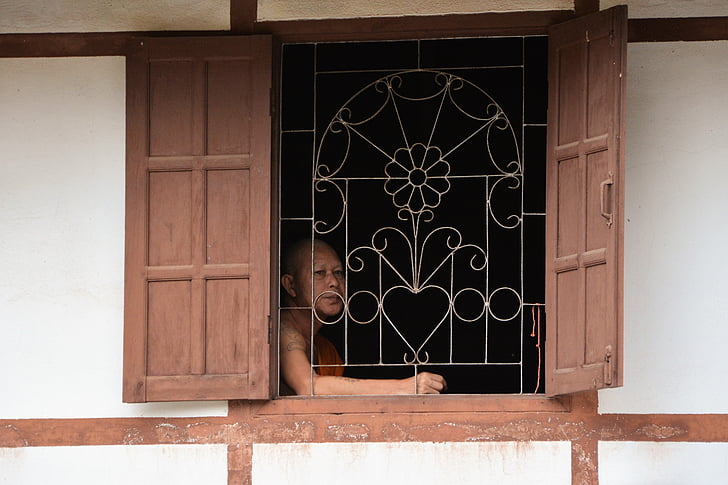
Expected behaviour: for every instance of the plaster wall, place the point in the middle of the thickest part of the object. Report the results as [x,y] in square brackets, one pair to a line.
[505,463]
[312,9]
[62,139]
[637,463]
[115,465]
[675,235]
[18,16]
[670,8]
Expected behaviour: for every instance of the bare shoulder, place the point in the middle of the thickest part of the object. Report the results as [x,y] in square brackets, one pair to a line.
[291,338]
[287,326]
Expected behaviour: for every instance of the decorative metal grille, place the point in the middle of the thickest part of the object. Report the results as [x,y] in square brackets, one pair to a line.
[418,182]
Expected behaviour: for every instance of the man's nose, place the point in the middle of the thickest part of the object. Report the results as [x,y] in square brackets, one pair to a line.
[332,280]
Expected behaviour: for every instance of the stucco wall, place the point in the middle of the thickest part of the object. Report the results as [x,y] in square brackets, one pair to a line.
[311,9]
[62,137]
[120,15]
[508,463]
[670,8]
[633,463]
[115,465]
[147,15]
[675,234]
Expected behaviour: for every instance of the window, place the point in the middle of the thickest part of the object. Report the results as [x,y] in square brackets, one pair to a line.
[423,163]
[198,285]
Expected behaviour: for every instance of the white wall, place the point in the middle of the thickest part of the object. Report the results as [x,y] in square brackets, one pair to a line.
[638,463]
[504,463]
[311,9]
[21,16]
[676,290]
[670,8]
[115,465]
[62,141]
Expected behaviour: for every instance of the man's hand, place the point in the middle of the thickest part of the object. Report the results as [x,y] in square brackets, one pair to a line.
[429,383]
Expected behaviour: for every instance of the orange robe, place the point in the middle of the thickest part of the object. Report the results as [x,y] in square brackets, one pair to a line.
[326,354]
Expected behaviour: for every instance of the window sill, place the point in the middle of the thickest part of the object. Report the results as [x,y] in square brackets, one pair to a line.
[414,404]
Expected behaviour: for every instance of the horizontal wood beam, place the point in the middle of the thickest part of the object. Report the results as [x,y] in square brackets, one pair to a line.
[420,26]
[522,23]
[80,44]
[366,427]
[678,29]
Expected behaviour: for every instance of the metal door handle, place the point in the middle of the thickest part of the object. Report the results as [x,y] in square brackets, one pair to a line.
[602,197]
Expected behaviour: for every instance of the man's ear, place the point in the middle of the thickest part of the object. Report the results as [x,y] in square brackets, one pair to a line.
[287,283]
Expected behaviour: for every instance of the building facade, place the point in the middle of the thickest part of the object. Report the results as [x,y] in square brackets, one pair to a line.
[62,214]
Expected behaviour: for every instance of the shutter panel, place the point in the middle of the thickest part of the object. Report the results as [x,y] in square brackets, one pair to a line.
[584,202]
[197,281]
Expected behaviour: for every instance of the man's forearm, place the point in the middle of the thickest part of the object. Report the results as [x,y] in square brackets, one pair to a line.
[336,385]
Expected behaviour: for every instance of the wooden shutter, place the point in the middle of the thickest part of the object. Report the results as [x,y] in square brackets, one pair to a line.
[585,202]
[197,273]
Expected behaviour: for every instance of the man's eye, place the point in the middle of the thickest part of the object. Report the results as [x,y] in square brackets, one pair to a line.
[339,273]
[319,272]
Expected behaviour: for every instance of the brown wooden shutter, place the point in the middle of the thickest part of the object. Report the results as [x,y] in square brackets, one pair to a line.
[197,219]
[585,202]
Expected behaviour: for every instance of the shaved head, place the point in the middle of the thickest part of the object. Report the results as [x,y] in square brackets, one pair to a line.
[298,254]
[313,277]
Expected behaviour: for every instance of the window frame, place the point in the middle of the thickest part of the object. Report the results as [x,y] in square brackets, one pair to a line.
[272,404]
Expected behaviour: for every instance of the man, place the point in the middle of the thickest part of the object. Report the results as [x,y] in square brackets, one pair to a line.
[322,302]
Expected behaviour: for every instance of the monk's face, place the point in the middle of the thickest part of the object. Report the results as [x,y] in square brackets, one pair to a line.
[320,287]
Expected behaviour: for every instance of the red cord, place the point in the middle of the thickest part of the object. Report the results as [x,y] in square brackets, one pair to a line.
[536,332]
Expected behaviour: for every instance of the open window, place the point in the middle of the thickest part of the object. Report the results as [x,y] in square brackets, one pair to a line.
[422,162]
[198,210]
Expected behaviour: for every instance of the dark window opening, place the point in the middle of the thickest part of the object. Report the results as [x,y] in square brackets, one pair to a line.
[423,164]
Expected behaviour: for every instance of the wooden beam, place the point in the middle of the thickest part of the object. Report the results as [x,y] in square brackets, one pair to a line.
[420,26]
[584,7]
[243,15]
[58,45]
[678,29]
[528,23]
[80,44]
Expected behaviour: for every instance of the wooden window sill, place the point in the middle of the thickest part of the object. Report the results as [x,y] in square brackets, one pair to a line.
[296,405]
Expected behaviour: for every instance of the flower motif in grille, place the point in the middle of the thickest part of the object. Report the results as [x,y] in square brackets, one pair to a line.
[417,178]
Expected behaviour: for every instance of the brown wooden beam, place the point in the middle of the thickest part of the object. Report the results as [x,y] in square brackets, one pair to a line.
[241,21]
[421,26]
[584,7]
[80,44]
[373,426]
[243,14]
[55,45]
[528,23]
[678,29]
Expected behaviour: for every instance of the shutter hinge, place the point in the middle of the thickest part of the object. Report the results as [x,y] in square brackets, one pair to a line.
[270,330]
[608,365]
[611,38]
